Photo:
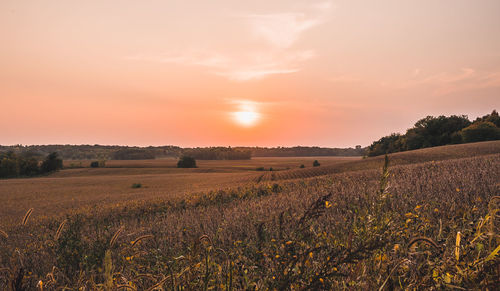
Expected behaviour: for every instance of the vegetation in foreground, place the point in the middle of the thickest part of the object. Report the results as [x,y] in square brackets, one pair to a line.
[424,226]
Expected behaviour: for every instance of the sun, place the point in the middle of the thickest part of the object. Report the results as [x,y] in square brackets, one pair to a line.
[247,114]
[246,118]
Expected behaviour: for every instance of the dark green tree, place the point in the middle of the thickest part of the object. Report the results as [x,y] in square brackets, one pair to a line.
[28,166]
[51,163]
[435,131]
[186,162]
[480,131]
[387,144]
[9,166]
[493,118]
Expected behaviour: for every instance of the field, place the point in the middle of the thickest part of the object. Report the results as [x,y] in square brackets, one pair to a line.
[425,219]
[88,187]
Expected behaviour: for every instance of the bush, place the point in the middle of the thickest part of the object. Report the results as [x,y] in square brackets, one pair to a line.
[28,167]
[51,163]
[94,164]
[302,166]
[136,185]
[186,162]
[259,169]
[480,131]
[316,163]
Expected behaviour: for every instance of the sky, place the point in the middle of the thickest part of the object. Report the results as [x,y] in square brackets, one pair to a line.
[241,73]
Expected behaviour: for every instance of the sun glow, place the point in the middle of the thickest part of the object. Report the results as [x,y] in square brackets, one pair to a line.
[247,114]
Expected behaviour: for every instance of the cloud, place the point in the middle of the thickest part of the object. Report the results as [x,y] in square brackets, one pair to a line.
[258,66]
[243,67]
[282,30]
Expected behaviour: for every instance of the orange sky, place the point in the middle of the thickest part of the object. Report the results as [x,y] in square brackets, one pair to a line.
[326,73]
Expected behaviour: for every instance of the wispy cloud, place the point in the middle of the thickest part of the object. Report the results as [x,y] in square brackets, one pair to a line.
[245,67]
[258,66]
[280,30]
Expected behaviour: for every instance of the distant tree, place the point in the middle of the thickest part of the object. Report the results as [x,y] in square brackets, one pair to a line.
[94,164]
[427,132]
[316,163]
[186,162]
[9,166]
[480,131]
[387,144]
[435,131]
[218,153]
[51,163]
[493,118]
[302,166]
[28,166]
[133,154]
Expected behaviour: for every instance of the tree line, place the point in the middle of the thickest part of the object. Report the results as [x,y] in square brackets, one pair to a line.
[302,151]
[114,152]
[218,153]
[437,131]
[14,165]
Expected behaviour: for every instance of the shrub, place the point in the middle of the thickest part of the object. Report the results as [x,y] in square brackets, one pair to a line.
[316,163]
[186,162]
[136,185]
[480,131]
[94,164]
[51,163]
[259,169]
[302,166]
[8,165]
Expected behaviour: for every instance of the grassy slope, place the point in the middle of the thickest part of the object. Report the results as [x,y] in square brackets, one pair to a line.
[402,158]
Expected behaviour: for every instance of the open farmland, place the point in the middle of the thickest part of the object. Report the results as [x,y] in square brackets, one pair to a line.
[71,189]
[428,221]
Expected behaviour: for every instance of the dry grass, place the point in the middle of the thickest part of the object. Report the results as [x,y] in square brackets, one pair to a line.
[403,158]
[71,189]
[351,229]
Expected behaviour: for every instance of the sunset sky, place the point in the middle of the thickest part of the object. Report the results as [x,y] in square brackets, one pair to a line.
[263,73]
